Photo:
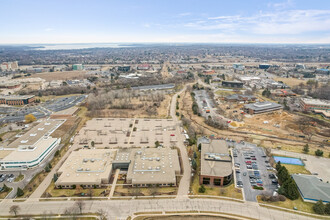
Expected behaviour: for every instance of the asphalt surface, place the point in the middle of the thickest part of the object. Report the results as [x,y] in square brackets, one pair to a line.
[249,192]
[16,114]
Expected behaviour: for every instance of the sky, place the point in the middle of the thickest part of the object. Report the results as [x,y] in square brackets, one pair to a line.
[164,21]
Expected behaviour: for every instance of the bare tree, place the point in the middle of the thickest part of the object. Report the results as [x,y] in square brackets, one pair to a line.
[14,209]
[80,204]
[103,215]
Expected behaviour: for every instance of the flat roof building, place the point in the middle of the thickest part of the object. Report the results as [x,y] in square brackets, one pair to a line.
[311,188]
[314,104]
[145,166]
[153,166]
[87,167]
[16,99]
[127,132]
[32,148]
[216,163]
[261,107]
[233,84]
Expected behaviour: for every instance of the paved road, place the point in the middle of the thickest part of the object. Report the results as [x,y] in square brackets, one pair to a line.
[121,209]
[185,180]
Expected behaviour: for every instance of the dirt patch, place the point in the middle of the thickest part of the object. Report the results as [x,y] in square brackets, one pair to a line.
[65,75]
[291,81]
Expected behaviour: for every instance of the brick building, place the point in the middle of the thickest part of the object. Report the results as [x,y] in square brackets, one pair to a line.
[16,100]
[314,104]
[216,163]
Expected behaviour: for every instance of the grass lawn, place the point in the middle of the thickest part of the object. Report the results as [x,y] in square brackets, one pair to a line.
[289,204]
[296,169]
[224,93]
[4,194]
[144,191]
[19,178]
[51,191]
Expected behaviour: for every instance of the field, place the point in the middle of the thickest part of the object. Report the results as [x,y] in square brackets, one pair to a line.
[290,81]
[296,169]
[65,75]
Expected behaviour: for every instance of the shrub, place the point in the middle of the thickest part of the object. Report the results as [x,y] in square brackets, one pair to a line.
[281,198]
[19,192]
[258,187]
[319,207]
[319,153]
[202,189]
[73,186]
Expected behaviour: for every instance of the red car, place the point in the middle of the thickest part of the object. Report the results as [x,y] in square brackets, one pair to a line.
[248,162]
[172,135]
[228,122]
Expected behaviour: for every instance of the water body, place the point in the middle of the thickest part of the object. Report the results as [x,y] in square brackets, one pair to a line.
[80,46]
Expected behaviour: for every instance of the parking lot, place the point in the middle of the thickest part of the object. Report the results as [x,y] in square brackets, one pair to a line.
[17,114]
[252,169]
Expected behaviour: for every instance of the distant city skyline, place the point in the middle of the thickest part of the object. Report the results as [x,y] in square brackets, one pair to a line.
[183,21]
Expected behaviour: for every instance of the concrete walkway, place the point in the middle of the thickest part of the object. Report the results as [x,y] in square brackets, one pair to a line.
[114,183]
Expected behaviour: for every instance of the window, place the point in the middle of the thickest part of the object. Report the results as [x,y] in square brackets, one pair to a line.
[217,182]
[206,180]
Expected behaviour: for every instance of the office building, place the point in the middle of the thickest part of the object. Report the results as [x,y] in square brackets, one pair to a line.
[16,99]
[30,149]
[232,84]
[86,167]
[314,104]
[216,163]
[261,107]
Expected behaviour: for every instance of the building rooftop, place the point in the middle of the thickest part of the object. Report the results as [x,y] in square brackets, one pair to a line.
[312,188]
[315,101]
[32,153]
[153,165]
[44,128]
[127,132]
[215,159]
[86,166]
[16,97]
[262,105]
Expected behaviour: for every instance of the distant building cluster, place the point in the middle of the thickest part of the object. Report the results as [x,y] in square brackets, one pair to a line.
[9,66]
